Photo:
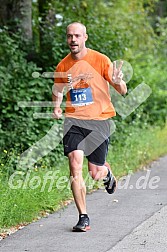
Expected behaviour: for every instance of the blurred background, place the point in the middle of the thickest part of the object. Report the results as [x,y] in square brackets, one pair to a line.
[33,39]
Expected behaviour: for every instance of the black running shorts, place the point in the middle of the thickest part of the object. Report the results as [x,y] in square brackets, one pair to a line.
[91,136]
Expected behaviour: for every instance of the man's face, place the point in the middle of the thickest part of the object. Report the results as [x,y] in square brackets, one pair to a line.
[76,38]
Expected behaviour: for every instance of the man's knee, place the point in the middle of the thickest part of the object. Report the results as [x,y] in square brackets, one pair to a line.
[76,162]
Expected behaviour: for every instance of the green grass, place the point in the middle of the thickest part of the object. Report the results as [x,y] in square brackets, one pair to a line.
[27,203]
[140,148]
[29,196]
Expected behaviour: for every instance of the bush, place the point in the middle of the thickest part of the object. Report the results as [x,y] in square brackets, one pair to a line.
[18,129]
[114,29]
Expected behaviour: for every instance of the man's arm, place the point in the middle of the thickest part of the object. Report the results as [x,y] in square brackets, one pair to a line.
[57,98]
[57,92]
[121,87]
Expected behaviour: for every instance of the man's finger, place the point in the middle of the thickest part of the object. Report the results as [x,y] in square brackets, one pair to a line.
[120,74]
[114,67]
[120,65]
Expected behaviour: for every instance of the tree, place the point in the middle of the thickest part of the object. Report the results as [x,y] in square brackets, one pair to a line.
[17,15]
[161,8]
[46,18]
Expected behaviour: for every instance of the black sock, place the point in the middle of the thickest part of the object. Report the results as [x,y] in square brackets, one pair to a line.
[83,215]
[109,174]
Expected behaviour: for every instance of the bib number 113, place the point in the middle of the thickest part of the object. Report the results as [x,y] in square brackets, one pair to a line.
[80,97]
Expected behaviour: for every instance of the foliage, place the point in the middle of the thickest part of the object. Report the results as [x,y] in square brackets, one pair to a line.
[18,129]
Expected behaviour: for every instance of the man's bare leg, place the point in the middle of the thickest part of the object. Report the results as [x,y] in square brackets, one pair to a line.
[103,173]
[98,172]
[77,182]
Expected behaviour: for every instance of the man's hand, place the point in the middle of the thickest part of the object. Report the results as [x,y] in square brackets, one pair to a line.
[57,113]
[117,73]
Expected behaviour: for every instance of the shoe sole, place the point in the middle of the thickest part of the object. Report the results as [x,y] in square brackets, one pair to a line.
[81,229]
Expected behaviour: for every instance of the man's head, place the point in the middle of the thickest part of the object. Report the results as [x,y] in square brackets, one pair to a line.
[76,37]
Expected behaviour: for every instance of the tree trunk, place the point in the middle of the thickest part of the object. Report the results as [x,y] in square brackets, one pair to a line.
[26,17]
[46,23]
[47,15]
[3,12]
[17,14]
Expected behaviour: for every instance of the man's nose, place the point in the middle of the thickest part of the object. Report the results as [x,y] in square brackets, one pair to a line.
[73,38]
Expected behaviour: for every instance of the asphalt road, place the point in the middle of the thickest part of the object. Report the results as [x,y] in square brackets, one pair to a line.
[131,220]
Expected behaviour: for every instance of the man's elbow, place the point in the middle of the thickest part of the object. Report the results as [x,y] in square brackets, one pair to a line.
[124,91]
[123,88]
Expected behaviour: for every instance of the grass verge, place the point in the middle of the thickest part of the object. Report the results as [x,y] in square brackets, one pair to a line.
[28,196]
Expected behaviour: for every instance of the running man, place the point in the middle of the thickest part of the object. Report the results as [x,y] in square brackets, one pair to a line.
[86,74]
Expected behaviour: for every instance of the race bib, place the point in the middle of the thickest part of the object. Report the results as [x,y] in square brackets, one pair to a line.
[81,96]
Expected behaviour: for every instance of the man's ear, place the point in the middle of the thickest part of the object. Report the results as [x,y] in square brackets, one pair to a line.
[86,37]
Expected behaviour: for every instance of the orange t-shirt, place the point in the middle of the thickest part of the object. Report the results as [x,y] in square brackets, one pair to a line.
[90,78]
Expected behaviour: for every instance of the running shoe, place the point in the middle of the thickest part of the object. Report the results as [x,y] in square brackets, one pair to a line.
[83,224]
[110,181]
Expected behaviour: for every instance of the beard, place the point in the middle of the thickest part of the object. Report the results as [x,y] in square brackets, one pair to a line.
[76,49]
